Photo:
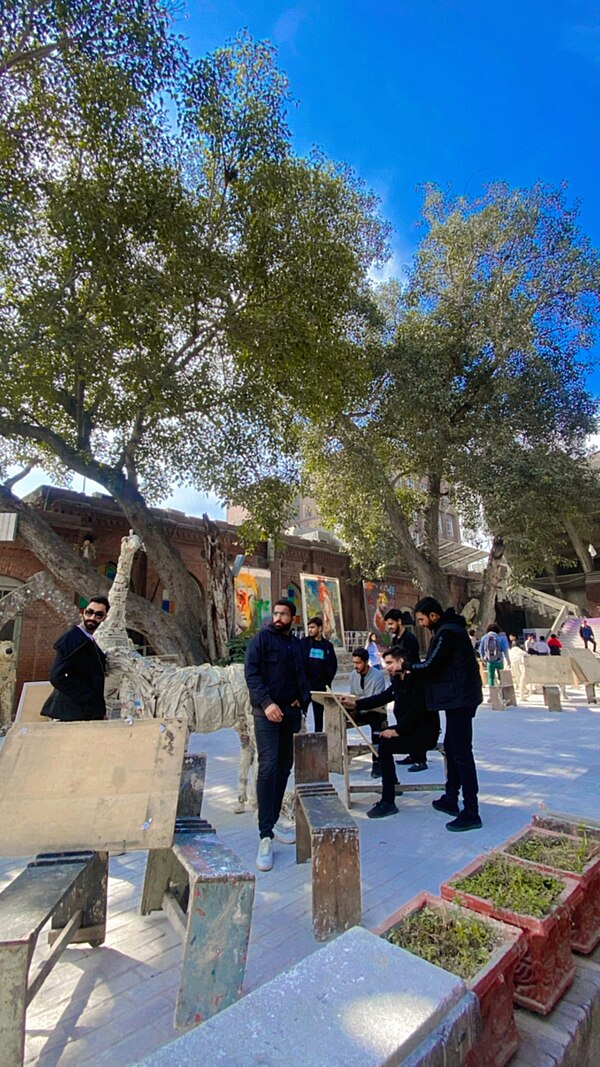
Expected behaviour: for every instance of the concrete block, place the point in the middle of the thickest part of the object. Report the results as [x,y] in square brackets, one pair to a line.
[496,698]
[357,1002]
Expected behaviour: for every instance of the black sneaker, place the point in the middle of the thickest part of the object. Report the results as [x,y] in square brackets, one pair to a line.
[445,805]
[417,767]
[464,822]
[405,762]
[381,810]
[376,770]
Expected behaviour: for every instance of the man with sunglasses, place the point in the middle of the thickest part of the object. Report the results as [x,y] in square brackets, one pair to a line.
[77,673]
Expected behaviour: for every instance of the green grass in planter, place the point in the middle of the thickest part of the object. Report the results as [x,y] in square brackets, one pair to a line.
[458,944]
[556,851]
[509,886]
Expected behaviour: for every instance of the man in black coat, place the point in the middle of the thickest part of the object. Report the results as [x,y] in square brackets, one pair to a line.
[321,664]
[78,670]
[279,692]
[416,726]
[453,684]
[395,624]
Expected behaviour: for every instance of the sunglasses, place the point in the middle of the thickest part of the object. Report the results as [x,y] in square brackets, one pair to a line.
[94,614]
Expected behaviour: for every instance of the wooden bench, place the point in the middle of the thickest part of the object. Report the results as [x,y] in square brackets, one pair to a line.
[70,890]
[342,751]
[327,834]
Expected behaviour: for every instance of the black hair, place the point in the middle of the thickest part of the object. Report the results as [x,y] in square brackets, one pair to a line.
[493,629]
[100,599]
[428,605]
[393,613]
[361,653]
[283,603]
[396,652]
[316,619]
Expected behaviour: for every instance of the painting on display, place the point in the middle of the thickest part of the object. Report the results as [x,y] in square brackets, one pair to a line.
[379,598]
[321,596]
[252,598]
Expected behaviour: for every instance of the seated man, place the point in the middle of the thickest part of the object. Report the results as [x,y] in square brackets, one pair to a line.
[366,681]
[415,725]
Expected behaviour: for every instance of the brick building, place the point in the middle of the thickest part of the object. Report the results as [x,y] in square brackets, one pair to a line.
[97,521]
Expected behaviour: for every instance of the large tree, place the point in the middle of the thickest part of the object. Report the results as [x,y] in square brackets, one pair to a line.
[478,389]
[159,284]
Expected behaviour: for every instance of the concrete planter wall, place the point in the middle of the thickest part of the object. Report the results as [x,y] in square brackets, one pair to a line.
[493,984]
[585,920]
[547,967]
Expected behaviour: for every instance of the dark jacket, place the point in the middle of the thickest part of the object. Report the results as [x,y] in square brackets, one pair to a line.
[410,646]
[275,670]
[450,671]
[415,723]
[77,675]
[320,660]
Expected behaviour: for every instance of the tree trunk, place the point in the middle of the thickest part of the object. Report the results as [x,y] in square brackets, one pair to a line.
[492,580]
[220,594]
[425,571]
[587,563]
[69,569]
[40,586]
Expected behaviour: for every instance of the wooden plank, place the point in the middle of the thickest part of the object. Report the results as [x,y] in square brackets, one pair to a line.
[336,894]
[335,729]
[310,758]
[547,670]
[106,786]
[31,701]
[552,697]
[27,903]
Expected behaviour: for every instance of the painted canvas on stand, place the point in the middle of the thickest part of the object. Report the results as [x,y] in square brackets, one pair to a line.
[321,596]
[252,599]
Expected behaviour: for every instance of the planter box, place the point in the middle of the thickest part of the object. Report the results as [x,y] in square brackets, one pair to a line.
[493,984]
[547,967]
[585,920]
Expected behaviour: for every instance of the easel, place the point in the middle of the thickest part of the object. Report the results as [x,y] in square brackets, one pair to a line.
[341,753]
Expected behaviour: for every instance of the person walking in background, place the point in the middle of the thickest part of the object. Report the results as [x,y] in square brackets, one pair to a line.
[78,671]
[494,652]
[365,681]
[321,664]
[275,671]
[373,650]
[452,685]
[587,634]
[554,645]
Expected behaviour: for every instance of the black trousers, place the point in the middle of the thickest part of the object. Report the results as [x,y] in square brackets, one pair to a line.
[462,774]
[275,746]
[388,748]
[374,719]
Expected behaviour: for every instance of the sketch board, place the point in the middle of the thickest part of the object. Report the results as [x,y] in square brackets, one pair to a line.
[547,670]
[90,785]
[586,666]
[31,702]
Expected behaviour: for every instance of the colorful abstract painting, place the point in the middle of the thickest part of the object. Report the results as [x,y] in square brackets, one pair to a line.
[252,599]
[379,598]
[321,596]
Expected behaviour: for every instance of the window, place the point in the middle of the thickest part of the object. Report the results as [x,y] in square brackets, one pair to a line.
[11,630]
[449,526]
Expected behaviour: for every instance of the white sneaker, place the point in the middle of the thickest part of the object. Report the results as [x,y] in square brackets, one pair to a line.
[286,835]
[264,858]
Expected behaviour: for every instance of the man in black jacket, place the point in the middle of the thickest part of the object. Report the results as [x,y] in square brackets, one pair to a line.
[395,624]
[279,693]
[78,670]
[453,684]
[321,664]
[416,726]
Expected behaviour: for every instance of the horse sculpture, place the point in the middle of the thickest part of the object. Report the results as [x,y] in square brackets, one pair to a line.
[210,698]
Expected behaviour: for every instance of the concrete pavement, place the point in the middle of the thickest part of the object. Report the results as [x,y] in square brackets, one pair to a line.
[110,1006]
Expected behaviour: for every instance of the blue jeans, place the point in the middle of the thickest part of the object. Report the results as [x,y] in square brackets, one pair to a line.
[275,746]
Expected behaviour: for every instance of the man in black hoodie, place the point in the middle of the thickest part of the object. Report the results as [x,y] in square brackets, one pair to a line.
[453,684]
[395,624]
[279,692]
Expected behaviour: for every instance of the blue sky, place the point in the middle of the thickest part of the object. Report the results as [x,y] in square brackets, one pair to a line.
[459,93]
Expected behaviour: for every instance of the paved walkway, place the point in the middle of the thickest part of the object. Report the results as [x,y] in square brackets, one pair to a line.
[109,1006]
